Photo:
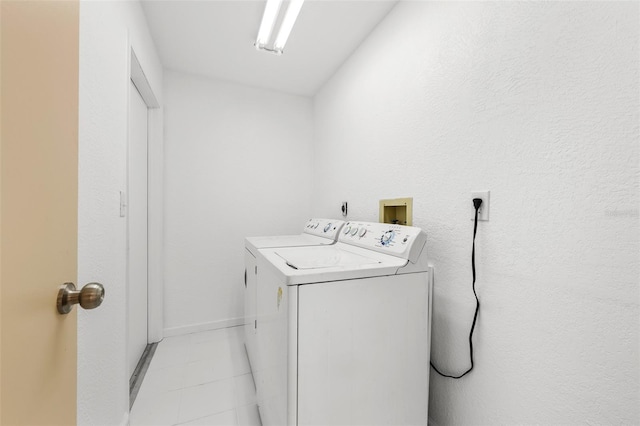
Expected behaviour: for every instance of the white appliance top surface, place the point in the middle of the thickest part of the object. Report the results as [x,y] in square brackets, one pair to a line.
[303,265]
[316,232]
[324,257]
[299,240]
[363,250]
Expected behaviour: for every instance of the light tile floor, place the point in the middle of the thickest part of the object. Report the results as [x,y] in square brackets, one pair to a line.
[198,379]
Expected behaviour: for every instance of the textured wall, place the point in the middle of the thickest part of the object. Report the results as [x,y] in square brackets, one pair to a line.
[537,102]
[237,164]
[106,31]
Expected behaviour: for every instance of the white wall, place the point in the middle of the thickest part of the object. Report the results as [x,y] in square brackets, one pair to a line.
[237,164]
[107,30]
[537,102]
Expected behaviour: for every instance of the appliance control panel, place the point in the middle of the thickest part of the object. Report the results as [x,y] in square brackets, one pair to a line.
[327,228]
[402,241]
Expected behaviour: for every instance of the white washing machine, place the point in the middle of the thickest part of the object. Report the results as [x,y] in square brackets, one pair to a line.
[316,232]
[344,330]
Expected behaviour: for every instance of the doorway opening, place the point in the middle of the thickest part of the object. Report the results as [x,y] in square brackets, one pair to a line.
[142,206]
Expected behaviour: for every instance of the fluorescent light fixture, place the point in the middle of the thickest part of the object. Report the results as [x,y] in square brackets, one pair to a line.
[268,21]
[269,18]
[287,24]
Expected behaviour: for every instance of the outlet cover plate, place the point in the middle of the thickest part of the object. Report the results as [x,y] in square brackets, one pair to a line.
[483,213]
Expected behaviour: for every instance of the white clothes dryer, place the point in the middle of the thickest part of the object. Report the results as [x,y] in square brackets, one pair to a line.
[344,330]
[316,232]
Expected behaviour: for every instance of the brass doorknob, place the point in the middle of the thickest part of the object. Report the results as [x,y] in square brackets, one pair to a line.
[90,297]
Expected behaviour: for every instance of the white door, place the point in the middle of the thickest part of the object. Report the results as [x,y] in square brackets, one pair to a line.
[137,228]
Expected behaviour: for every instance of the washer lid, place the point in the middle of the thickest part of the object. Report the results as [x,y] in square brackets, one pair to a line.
[325,257]
[305,265]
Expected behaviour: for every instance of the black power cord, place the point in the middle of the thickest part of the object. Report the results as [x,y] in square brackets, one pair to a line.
[477,202]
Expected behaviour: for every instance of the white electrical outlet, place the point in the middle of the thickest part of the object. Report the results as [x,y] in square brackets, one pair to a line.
[483,212]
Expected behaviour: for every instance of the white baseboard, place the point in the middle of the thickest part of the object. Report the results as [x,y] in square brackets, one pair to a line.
[194,328]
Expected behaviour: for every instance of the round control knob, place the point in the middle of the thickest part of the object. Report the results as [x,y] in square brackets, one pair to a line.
[347,229]
[387,237]
[354,231]
[326,228]
[362,232]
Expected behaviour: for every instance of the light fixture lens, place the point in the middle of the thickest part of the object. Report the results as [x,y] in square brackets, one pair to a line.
[287,24]
[268,20]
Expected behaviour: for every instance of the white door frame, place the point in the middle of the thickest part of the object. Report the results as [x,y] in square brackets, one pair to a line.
[155,216]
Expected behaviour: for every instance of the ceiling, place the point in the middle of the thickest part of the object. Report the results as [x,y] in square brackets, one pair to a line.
[215,38]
